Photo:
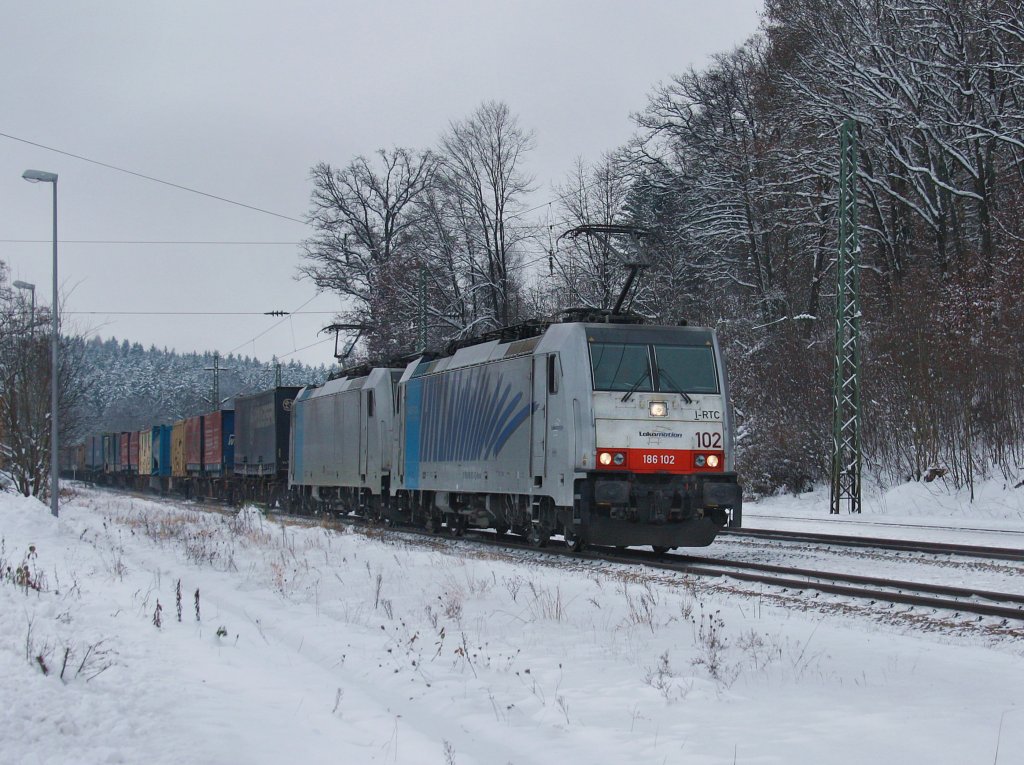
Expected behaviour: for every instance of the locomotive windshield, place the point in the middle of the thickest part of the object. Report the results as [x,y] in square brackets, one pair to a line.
[677,369]
[685,369]
[618,366]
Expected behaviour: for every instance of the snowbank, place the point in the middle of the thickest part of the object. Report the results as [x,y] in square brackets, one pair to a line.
[319,645]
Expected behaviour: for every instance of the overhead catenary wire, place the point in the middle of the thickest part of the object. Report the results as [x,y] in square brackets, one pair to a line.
[303,348]
[516,215]
[155,180]
[143,241]
[272,326]
[519,214]
[193,313]
[558,197]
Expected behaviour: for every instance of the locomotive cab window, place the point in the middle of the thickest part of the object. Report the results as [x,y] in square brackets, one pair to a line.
[552,374]
[618,366]
[675,368]
[685,369]
[369,403]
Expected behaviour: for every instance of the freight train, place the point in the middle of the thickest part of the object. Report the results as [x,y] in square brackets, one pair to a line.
[603,432]
[233,455]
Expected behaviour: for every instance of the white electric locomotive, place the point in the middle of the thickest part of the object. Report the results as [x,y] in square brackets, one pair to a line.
[341,443]
[606,433]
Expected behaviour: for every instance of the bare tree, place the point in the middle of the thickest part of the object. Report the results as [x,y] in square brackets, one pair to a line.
[710,130]
[482,176]
[364,217]
[586,270]
[25,368]
[452,288]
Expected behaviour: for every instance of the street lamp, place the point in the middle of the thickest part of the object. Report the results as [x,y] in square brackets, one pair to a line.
[36,176]
[31,288]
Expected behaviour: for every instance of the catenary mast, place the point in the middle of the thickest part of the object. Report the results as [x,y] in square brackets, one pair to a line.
[846,448]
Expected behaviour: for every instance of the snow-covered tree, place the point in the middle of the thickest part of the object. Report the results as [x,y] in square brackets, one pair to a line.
[25,391]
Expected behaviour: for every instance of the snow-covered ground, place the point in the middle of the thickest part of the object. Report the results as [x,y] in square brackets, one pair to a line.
[928,511]
[321,645]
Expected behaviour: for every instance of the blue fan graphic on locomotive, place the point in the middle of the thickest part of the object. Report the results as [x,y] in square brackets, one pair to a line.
[465,415]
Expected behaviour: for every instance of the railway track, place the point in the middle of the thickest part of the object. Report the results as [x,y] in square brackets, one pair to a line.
[933,548]
[884,524]
[958,600]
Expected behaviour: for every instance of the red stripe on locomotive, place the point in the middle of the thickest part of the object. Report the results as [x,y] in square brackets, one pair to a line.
[664,460]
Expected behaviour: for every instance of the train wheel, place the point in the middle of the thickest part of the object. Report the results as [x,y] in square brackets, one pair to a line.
[574,538]
[538,536]
[456,525]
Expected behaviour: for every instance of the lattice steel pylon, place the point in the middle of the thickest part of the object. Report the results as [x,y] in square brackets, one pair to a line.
[216,369]
[846,451]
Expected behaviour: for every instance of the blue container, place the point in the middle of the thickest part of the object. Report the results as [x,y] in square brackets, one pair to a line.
[228,439]
[115,462]
[161,450]
[110,455]
[94,453]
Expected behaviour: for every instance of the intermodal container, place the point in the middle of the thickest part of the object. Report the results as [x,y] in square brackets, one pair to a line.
[161,450]
[124,445]
[94,453]
[262,425]
[108,452]
[178,449]
[76,458]
[194,445]
[146,452]
[219,442]
[133,452]
[80,456]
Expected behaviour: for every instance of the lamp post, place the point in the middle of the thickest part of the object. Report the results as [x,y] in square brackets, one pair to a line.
[31,288]
[37,176]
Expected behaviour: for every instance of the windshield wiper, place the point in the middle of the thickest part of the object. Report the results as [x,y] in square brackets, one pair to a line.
[633,388]
[678,388]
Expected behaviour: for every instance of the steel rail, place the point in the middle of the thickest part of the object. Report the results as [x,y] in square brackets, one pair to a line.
[835,583]
[882,524]
[903,545]
[874,581]
[886,596]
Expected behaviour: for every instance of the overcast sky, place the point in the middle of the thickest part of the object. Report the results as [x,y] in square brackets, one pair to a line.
[240,99]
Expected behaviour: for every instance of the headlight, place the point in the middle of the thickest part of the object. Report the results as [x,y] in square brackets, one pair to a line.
[619,458]
[658,409]
[699,460]
[604,458]
[712,460]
